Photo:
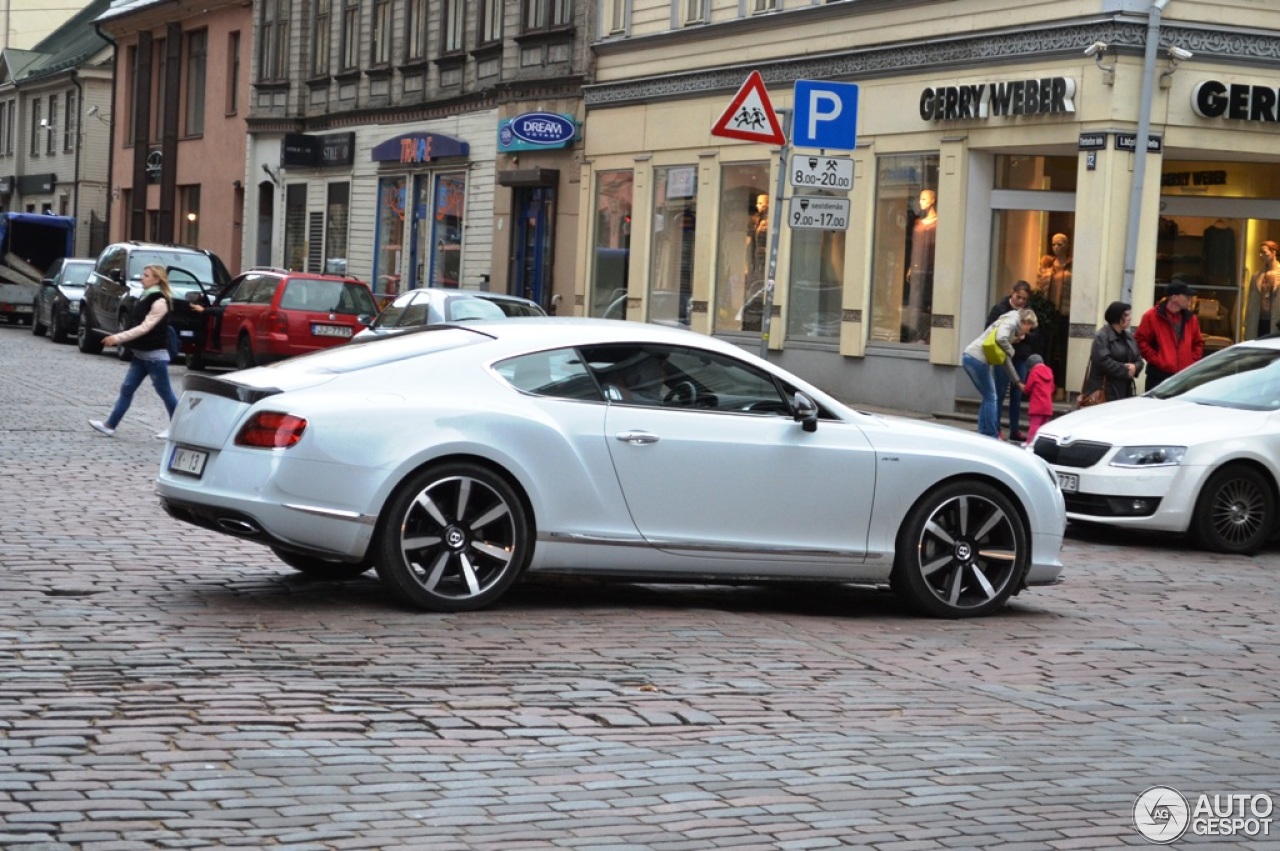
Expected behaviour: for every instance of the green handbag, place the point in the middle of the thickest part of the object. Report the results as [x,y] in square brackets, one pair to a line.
[991,350]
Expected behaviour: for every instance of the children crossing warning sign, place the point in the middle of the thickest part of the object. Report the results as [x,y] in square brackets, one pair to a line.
[750,116]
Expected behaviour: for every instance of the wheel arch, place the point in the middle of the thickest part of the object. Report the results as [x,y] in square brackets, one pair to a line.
[1248,463]
[1023,518]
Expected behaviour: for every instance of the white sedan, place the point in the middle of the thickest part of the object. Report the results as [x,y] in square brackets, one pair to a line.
[456,458]
[1200,454]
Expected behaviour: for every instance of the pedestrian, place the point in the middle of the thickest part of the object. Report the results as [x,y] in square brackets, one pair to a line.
[1169,337]
[1019,297]
[1262,311]
[148,339]
[1040,387]
[1003,334]
[1115,359]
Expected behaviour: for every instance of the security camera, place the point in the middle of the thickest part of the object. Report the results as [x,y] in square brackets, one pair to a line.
[1096,48]
[1180,53]
[44,124]
[92,112]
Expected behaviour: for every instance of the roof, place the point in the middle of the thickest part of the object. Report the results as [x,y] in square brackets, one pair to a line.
[70,45]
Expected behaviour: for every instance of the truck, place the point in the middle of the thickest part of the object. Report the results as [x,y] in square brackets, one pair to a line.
[29,243]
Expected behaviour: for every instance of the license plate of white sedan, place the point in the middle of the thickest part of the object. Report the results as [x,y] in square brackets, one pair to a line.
[189,462]
[331,330]
[1068,482]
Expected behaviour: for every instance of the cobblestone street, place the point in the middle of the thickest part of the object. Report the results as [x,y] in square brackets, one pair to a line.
[166,687]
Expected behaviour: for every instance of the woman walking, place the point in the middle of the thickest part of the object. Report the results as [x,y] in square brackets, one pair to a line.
[1006,332]
[1114,358]
[148,339]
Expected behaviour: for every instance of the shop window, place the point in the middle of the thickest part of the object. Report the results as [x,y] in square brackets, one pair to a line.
[390,248]
[816,282]
[612,244]
[337,211]
[742,246]
[446,230]
[189,214]
[295,226]
[1049,174]
[320,28]
[675,219]
[902,262]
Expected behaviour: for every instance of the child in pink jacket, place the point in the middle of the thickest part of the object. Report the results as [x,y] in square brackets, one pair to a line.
[1039,392]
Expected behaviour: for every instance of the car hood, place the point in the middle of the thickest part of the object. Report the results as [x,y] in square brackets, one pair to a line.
[1146,421]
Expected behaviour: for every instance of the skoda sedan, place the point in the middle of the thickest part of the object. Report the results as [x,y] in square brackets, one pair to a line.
[1200,454]
[455,459]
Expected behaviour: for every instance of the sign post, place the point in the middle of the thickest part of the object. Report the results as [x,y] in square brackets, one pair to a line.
[775,226]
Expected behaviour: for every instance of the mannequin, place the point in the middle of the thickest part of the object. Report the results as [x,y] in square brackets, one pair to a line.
[1054,279]
[920,270]
[1263,308]
[758,240]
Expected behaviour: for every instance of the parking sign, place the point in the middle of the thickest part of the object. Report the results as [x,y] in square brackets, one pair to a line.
[826,115]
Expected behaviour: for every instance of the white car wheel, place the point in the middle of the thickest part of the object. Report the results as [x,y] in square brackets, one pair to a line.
[961,551]
[1236,511]
[454,538]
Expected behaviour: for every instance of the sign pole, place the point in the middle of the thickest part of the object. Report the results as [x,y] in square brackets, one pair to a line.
[775,225]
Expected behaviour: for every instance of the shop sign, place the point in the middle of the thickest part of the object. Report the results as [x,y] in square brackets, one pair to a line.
[808,171]
[419,148]
[36,184]
[1045,96]
[1129,142]
[6,185]
[303,150]
[155,165]
[532,131]
[1208,177]
[1239,102]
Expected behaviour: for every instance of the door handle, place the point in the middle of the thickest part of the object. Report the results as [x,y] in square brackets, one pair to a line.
[636,438]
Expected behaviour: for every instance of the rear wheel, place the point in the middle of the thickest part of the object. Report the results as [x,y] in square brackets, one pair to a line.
[1235,512]
[123,352]
[319,568]
[454,538]
[87,341]
[244,353]
[961,551]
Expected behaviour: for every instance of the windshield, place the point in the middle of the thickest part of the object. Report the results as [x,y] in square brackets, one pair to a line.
[76,274]
[1238,377]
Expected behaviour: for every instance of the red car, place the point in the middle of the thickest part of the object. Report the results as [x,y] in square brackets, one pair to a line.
[271,314]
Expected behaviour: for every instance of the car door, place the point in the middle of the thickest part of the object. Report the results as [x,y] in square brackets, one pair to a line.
[109,287]
[239,309]
[714,465]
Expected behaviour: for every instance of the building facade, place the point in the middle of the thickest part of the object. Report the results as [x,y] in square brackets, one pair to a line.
[53,151]
[177,122]
[989,148]
[419,143]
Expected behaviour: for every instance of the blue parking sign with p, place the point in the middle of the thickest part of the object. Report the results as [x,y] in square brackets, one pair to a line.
[825,115]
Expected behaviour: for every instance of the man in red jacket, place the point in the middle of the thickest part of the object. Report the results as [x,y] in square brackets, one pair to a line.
[1169,335]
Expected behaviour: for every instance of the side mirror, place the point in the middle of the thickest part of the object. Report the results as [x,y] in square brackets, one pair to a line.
[46,282]
[365,319]
[806,412]
[116,275]
[195,297]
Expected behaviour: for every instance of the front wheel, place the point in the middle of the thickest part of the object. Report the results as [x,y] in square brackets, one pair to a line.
[454,538]
[961,551]
[86,341]
[319,568]
[1235,512]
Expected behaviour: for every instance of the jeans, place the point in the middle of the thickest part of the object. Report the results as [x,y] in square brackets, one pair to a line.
[980,372]
[138,370]
[1003,385]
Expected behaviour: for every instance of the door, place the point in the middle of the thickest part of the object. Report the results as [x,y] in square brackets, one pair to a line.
[532,240]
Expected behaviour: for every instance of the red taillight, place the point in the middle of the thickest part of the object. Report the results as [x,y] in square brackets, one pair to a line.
[271,430]
[277,322]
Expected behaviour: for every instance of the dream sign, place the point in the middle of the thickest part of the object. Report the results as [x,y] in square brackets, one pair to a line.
[536,130]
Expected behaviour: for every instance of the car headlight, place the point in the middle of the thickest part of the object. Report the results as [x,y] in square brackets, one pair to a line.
[1149,456]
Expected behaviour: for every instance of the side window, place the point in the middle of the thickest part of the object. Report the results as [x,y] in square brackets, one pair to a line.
[678,377]
[264,292]
[559,373]
[244,291]
[113,259]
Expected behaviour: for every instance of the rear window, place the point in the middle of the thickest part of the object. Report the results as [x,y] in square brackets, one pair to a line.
[463,309]
[320,296]
[362,354]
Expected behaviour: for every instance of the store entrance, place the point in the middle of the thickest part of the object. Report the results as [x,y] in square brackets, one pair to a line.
[1214,246]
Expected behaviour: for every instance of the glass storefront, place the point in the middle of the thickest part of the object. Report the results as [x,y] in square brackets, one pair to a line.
[817,282]
[905,234]
[675,220]
[742,247]
[390,250]
[612,244]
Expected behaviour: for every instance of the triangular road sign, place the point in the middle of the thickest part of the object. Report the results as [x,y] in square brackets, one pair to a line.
[750,116]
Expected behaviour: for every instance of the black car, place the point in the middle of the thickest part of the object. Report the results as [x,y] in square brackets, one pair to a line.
[57,304]
[195,274]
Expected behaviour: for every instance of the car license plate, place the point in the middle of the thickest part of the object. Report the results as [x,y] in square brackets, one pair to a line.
[189,462]
[1068,482]
[330,330]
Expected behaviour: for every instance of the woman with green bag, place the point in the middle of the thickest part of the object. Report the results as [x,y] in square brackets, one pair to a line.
[994,348]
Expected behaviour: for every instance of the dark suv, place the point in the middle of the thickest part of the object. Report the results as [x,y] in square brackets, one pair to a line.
[270,314]
[115,284]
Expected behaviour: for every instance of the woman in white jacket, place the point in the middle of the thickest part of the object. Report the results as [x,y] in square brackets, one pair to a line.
[1009,329]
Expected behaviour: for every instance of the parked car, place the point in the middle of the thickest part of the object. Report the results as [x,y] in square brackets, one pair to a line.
[270,314]
[1200,454]
[459,457]
[57,304]
[438,305]
[115,284]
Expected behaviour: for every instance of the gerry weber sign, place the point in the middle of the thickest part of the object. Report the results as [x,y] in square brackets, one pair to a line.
[1045,96]
[1212,99]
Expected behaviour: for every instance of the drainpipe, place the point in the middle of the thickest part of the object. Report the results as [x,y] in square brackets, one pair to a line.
[1140,148]
[111,133]
[78,141]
